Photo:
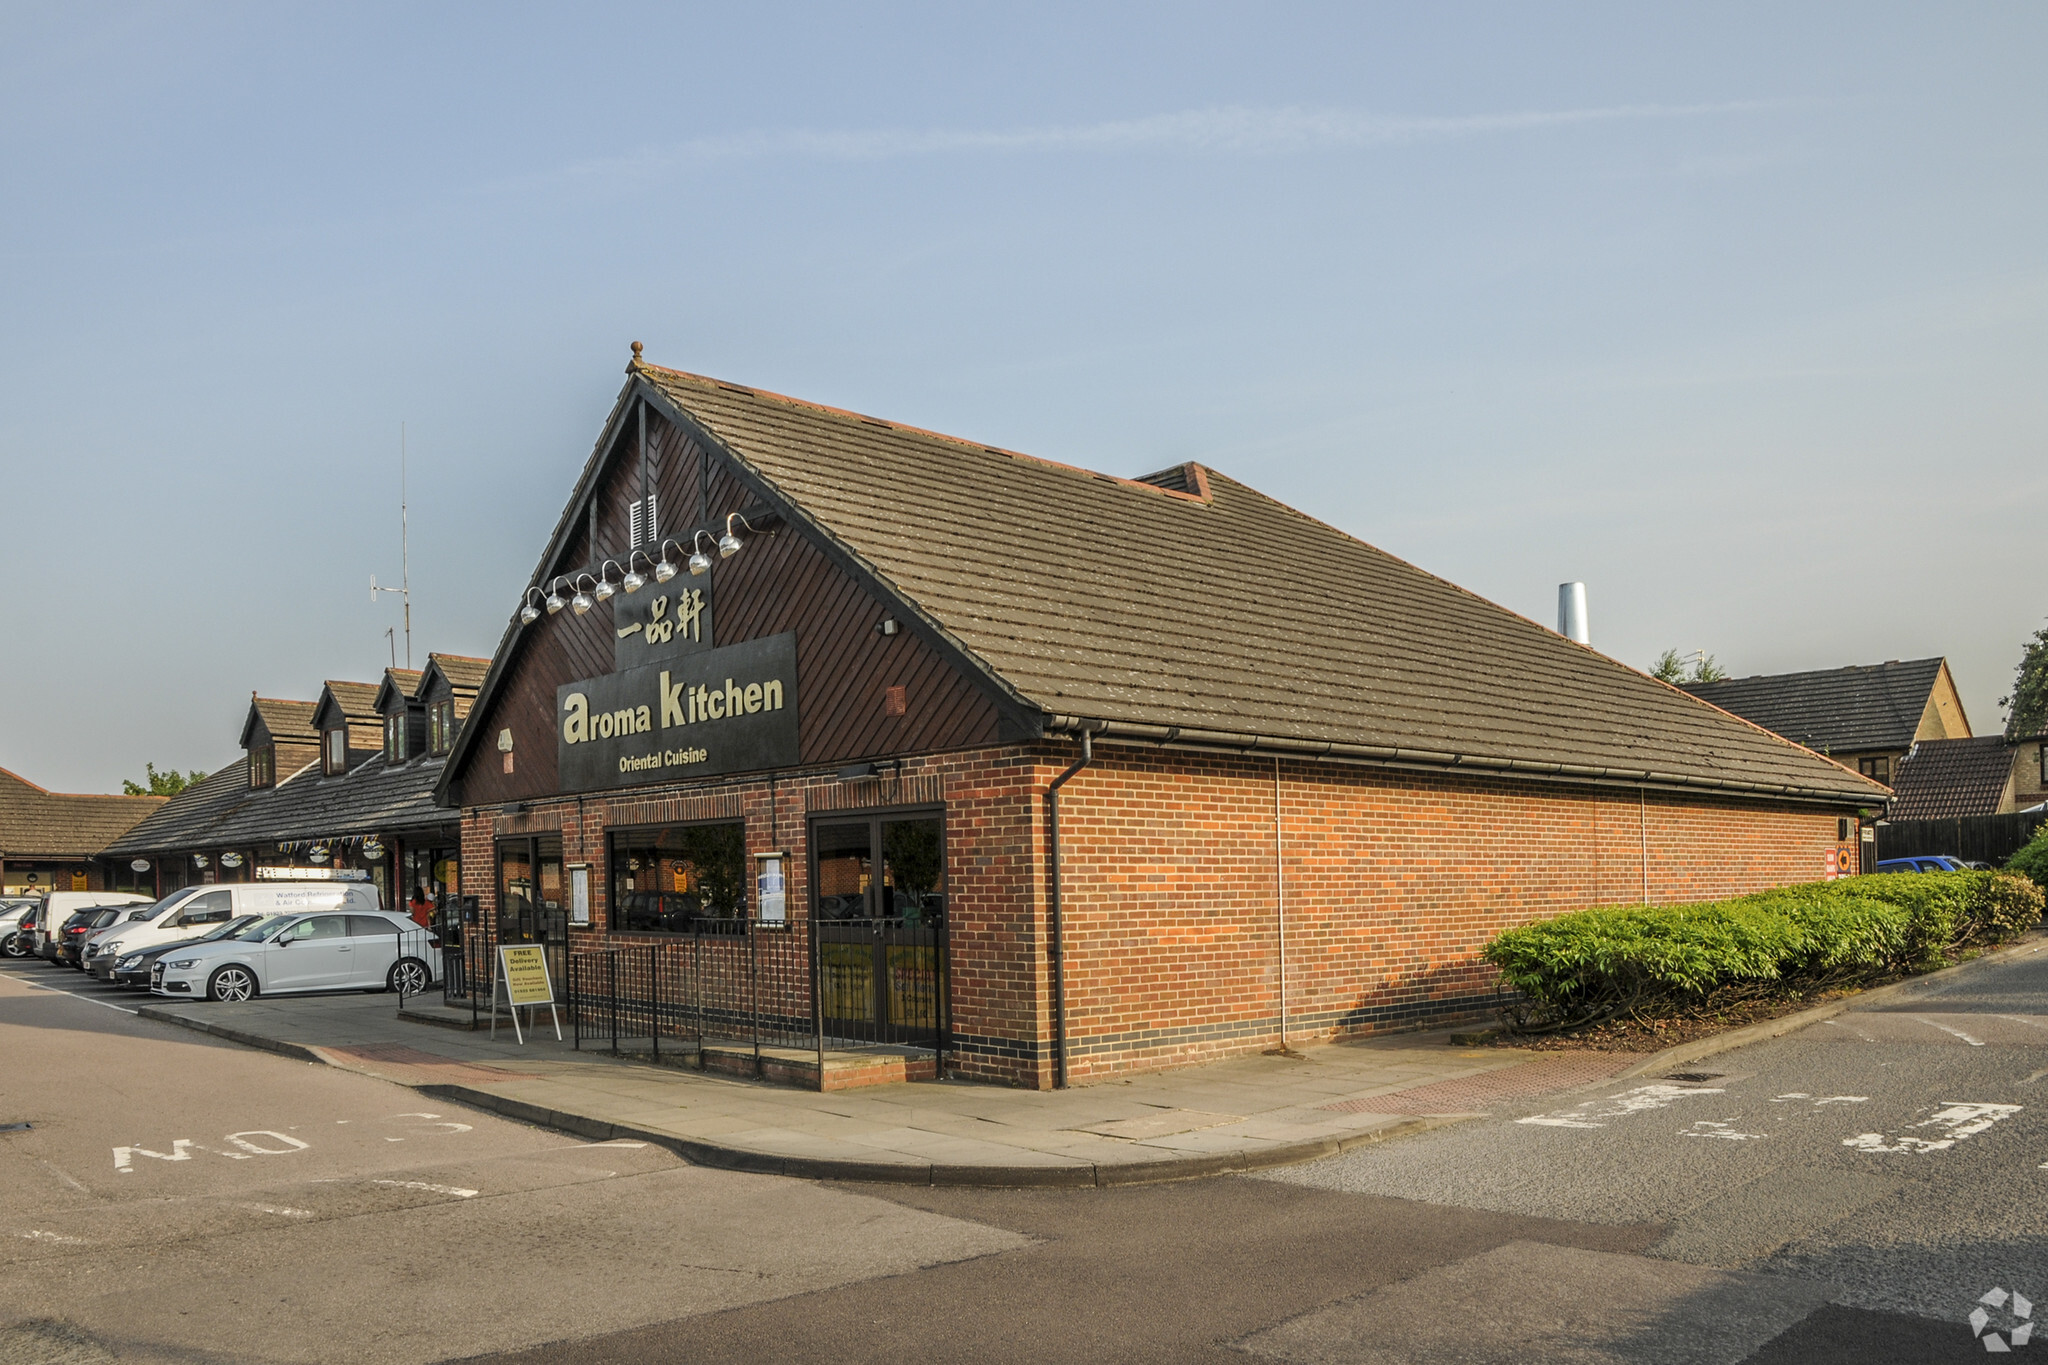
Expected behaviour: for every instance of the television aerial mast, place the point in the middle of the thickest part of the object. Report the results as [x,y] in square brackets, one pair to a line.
[404,588]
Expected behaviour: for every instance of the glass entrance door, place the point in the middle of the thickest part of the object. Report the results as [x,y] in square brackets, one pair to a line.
[531,899]
[879,904]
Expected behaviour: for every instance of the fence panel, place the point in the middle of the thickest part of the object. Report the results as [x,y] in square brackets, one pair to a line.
[1974,838]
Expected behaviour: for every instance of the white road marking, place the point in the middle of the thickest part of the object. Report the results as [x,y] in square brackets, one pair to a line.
[1708,1128]
[423,1185]
[2022,1019]
[1595,1113]
[1973,1042]
[617,1142]
[1958,1120]
[1836,1023]
[124,1157]
[1822,1099]
[38,1235]
[439,1122]
[291,1144]
[67,1178]
[273,1208]
[58,990]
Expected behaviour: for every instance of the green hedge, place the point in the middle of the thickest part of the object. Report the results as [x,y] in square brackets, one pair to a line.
[2032,861]
[1634,959]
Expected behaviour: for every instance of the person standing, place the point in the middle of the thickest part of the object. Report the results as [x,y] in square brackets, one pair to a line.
[422,907]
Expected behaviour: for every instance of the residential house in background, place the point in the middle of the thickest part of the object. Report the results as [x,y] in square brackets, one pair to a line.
[1945,779]
[1867,717]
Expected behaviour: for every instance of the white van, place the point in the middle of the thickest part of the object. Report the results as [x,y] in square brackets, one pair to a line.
[191,912]
[58,906]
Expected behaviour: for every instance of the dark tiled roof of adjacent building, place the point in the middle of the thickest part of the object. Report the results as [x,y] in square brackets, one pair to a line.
[1833,710]
[1199,609]
[39,823]
[1946,778]
[373,797]
[182,822]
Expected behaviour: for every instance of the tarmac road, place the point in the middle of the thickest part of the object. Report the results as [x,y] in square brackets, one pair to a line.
[1841,1194]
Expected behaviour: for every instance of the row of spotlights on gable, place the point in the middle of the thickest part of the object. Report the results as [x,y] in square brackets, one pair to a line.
[631,580]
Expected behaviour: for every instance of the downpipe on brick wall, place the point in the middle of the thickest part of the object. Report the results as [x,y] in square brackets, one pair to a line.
[1056,944]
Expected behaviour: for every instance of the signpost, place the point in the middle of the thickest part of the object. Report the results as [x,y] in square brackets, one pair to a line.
[523,968]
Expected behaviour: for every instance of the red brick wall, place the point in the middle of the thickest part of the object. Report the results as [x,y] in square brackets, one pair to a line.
[1393,881]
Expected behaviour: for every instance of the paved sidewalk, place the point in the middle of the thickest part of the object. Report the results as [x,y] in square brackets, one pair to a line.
[1243,1114]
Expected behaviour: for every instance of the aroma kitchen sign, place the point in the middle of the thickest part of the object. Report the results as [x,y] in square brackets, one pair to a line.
[723,710]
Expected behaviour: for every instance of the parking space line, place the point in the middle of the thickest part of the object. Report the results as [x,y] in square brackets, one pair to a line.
[423,1185]
[1973,1042]
[59,990]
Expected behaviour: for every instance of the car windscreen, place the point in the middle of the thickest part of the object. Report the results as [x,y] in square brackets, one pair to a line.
[262,928]
[175,898]
[243,926]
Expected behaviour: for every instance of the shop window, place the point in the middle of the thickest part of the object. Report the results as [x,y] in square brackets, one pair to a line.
[263,767]
[394,738]
[1878,769]
[334,746]
[441,727]
[679,879]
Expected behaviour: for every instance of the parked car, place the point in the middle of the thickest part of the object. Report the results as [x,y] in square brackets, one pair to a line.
[69,943]
[1923,863]
[58,906]
[12,911]
[300,953]
[131,967]
[177,915]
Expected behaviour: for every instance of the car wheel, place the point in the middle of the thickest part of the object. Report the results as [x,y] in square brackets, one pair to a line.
[12,946]
[232,984]
[409,976]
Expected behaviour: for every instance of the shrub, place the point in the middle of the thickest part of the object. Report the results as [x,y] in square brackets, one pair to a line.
[2032,861]
[1631,959]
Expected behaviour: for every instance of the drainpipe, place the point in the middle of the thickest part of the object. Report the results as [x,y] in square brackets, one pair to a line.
[1056,940]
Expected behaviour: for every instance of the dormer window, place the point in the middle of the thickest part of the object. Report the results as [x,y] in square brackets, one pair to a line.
[441,727]
[334,750]
[262,767]
[394,738]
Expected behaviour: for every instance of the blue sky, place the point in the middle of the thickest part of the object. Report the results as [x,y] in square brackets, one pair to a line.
[1737,312]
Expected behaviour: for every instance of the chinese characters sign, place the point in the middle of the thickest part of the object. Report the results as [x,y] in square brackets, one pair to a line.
[661,621]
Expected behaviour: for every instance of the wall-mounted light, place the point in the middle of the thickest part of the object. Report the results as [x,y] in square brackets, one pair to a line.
[700,563]
[605,587]
[729,544]
[887,626]
[528,612]
[582,601]
[855,772]
[633,580]
[554,598]
[666,569]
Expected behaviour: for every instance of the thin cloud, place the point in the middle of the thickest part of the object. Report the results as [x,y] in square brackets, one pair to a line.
[1232,129]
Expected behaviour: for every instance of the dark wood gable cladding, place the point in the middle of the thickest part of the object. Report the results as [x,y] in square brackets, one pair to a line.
[781,581]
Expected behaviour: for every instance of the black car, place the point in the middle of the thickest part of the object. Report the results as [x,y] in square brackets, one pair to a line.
[64,945]
[132,969]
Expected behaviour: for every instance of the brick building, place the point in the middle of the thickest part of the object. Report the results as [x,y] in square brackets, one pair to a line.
[1061,773]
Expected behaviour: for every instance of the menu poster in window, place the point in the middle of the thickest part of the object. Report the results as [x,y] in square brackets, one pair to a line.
[726,710]
[771,891]
[661,621]
[579,894]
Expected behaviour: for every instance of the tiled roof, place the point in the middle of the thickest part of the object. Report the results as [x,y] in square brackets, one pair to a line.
[374,797]
[357,700]
[287,721]
[462,671]
[1090,598]
[182,822]
[1945,778]
[39,823]
[1837,710]
[400,684]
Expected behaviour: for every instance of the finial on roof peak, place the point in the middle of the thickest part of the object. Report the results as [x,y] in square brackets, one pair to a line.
[637,362]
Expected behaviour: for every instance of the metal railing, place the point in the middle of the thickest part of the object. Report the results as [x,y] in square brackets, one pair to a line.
[739,984]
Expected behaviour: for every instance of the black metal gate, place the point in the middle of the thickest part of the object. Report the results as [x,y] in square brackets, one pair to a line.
[881,981]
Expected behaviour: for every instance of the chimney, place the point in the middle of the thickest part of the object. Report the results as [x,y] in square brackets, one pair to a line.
[1571,612]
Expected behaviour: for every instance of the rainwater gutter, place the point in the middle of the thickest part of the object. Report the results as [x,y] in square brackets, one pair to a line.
[1056,944]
